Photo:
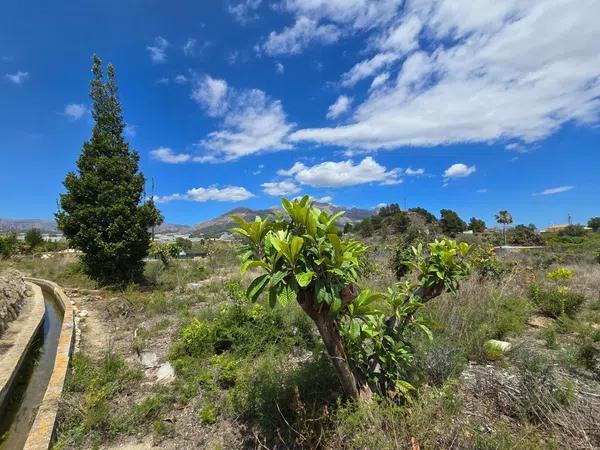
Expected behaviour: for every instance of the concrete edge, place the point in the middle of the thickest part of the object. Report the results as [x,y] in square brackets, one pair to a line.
[14,358]
[42,431]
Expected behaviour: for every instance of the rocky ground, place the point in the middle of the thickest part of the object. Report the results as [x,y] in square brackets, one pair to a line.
[14,291]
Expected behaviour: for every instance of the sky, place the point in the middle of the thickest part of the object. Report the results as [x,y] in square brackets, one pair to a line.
[475,106]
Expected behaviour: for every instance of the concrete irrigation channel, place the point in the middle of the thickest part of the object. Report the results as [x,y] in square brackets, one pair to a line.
[33,370]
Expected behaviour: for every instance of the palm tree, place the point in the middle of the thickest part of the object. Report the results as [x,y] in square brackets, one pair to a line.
[504,218]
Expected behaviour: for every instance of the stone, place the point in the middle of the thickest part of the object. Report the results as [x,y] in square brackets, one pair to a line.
[165,373]
[539,321]
[148,359]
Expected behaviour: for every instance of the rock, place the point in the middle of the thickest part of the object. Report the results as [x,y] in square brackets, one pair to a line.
[165,373]
[83,313]
[148,359]
[539,321]
[496,349]
[14,291]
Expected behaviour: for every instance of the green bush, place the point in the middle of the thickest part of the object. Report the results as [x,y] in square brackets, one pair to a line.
[555,302]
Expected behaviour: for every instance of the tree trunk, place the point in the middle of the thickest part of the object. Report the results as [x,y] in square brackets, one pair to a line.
[353,383]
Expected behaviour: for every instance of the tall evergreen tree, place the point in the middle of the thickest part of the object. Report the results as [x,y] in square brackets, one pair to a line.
[451,223]
[103,213]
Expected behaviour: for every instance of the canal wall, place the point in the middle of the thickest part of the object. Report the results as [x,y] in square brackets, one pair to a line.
[42,431]
[18,338]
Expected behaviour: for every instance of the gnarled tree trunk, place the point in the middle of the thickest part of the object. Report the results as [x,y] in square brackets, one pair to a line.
[353,383]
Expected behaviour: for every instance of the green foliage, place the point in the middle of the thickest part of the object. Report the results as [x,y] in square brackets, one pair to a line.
[8,245]
[476,225]
[504,217]
[403,252]
[164,251]
[524,235]
[184,244]
[573,231]
[103,212]
[451,223]
[594,224]
[485,264]
[555,302]
[429,218]
[560,275]
[304,259]
[34,238]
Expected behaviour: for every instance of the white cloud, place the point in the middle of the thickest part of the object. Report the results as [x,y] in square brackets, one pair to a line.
[279,68]
[17,77]
[379,80]
[226,194]
[556,190]
[294,39]
[130,130]
[414,172]
[358,14]
[491,71]
[341,105]
[368,67]
[166,155]
[325,199]
[212,94]
[458,170]
[245,11]
[158,51]
[162,81]
[482,191]
[252,122]
[285,187]
[181,79]
[75,111]
[343,173]
[189,48]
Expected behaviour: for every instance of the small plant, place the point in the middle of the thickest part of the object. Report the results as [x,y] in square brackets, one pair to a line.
[208,415]
[555,302]
[305,261]
[560,275]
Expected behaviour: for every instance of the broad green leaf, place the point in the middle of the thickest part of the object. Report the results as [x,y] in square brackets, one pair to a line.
[256,287]
[304,278]
[251,264]
[295,248]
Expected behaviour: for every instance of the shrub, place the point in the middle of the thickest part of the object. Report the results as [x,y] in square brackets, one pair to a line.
[560,275]
[594,223]
[573,231]
[524,235]
[8,245]
[305,261]
[555,302]
[34,238]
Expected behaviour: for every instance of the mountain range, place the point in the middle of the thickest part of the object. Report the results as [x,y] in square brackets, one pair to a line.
[210,228]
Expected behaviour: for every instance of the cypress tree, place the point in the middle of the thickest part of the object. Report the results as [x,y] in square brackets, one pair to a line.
[103,212]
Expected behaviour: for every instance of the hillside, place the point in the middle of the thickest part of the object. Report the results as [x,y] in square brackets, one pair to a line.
[224,222]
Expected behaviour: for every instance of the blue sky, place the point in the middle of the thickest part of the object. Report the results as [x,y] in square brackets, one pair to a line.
[474,106]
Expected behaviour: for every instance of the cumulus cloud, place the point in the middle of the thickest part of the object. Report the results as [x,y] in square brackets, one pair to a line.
[167,155]
[252,121]
[245,11]
[75,111]
[158,51]
[226,194]
[276,189]
[279,68]
[17,77]
[189,48]
[494,71]
[414,172]
[294,39]
[341,105]
[343,173]
[181,79]
[458,170]
[556,190]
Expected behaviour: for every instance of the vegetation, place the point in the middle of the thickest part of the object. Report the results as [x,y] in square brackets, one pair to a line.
[103,212]
[34,238]
[306,261]
[8,245]
[594,224]
[524,235]
[504,218]
[476,225]
[451,223]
